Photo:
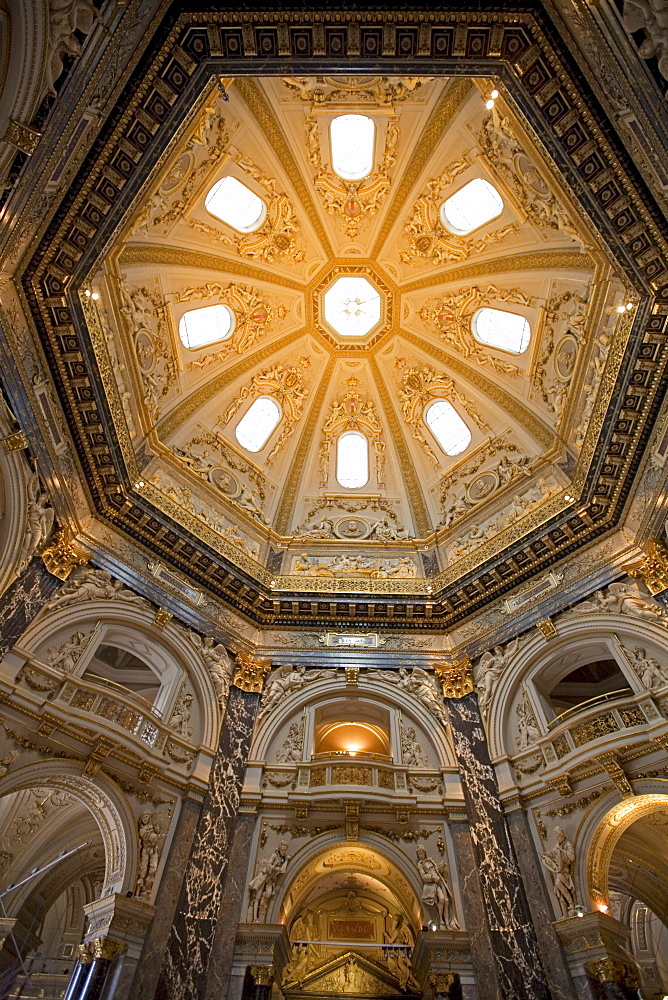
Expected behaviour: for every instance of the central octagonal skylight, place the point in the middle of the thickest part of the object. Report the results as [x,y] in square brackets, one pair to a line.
[352,306]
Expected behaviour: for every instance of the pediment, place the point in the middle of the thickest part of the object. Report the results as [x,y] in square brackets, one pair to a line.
[349,974]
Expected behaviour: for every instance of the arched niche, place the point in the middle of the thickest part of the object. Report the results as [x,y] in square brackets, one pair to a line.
[169,651]
[537,665]
[104,800]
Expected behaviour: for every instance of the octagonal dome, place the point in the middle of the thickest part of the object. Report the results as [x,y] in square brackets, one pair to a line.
[352,306]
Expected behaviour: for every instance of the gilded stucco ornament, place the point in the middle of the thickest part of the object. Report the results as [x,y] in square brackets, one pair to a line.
[653,569]
[249,672]
[63,555]
[613,970]
[456,678]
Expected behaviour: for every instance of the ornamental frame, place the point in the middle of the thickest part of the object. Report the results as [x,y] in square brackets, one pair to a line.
[519,50]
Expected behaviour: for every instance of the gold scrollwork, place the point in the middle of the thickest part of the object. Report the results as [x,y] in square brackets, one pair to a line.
[653,569]
[456,678]
[63,555]
[250,672]
[612,970]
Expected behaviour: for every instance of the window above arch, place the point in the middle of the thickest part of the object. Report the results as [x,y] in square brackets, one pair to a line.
[204,326]
[352,141]
[447,426]
[234,203]
[498,328]
[258,423]
[472,206]
[352,460]
[123,669]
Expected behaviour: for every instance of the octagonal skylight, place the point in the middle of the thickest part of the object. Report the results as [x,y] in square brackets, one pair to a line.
[352,306]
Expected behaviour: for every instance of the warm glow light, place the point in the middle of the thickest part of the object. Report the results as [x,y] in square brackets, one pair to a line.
[494,94]
[603,907]
[489,104]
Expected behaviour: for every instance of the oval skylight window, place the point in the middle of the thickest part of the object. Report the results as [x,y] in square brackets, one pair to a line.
[208,325]
[447,427]
[232,202]
[352,139]
[258,423]
[471,207]
[352,460]
[497,328]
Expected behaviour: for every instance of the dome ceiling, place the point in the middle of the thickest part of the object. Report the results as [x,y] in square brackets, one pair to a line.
[353,308]
[403,373]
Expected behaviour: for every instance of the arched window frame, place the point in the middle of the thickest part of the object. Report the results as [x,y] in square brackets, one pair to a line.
[356,175]
[425,413]
[265,442]
[209,343]
[337,473]
[457,231]
[211,194]
[496,347]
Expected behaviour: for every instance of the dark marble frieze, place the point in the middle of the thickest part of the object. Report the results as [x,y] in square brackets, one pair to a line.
[22,600]
[518,962]
[184,970]
[518,49]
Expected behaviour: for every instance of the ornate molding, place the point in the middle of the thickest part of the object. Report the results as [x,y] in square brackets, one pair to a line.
[653,569]
[63,555]
[250,672]
[456,678]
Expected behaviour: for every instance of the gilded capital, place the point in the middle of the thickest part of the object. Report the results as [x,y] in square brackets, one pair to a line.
[249,672]
[456,678]
[653,569]
[104,947]
[262,974]
[612,970]
[63,555]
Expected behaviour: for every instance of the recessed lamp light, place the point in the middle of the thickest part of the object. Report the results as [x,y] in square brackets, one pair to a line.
[603,907]
[489,104]
[494,94]
[87,293]
[621,309]
[95,296]
[629,306]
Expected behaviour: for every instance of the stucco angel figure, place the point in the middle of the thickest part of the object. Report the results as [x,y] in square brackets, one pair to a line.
[490,667]
[67,656]
[39,522]
[92,585]
[283,682]
[623,599]
[421,685]
[217,663]
[435,889]
[651,675]
[263,886]
[559,862]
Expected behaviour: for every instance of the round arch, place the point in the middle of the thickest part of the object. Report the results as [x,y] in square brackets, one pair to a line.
[387,863]
[606,835]
[107,615]
[107,804]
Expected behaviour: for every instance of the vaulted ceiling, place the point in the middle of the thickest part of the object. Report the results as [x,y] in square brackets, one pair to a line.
[432,533]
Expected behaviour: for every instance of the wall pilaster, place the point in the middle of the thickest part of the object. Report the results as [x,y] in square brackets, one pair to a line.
[517,958]
[185,968]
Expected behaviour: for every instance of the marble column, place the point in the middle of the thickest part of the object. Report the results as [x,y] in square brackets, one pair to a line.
[185,967]
[155,944]
[517,958]
[482,956]
[558,974]
[22,600]
[222,952]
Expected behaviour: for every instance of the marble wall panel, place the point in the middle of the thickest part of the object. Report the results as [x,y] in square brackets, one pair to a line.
[22,600]
[554,960]
[184,971]
[222,953]
[148,969]
[482,957]
[517,957]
